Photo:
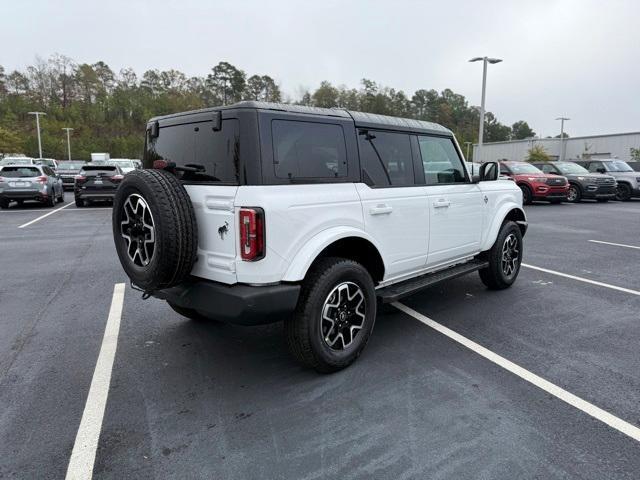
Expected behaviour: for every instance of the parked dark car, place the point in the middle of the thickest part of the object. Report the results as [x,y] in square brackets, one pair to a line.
[29,182]
[535,184]
[96,183]
[68,171]
[635,164]
[582,184]
[628,180]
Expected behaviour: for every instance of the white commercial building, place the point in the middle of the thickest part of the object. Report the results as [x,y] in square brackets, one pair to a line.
[617,145]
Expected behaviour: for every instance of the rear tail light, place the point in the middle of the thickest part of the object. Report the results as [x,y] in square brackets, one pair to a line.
[42,180]
[252,237]
[116,178]
[80,178]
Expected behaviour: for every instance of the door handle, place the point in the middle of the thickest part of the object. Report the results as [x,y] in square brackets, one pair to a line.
[441,203]
[380,209]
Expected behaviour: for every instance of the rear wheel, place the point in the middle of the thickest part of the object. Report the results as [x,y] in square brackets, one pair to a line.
[334,317]
[574,194]
[527,195]
[51,200]
[61,197]
[624,192]
[79,203]
[504,258]
[4,203]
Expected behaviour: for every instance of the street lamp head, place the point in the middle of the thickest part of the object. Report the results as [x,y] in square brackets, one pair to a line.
[476,59]
[494,60]
[563,118]
[36,113]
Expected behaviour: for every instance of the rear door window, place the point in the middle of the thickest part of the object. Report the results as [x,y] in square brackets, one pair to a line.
[308,150]
[386,158]
[206,155]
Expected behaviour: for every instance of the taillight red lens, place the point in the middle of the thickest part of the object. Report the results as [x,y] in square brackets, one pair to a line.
[80,178]
[252,241]
[42,180]
[117,178]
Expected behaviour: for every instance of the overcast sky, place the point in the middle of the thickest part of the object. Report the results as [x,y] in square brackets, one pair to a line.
[575,58]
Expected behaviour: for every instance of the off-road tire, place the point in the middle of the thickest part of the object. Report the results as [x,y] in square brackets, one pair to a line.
[493,276]
[176,233]
[527,194]
[303,330]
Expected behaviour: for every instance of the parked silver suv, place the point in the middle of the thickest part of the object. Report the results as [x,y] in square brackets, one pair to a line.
[29,182]
[628,179]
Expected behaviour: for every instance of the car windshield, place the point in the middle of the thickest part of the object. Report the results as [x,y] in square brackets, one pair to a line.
[523,168]
[569,168]
[20,172]
[70,165]
[618,166]
[15,161]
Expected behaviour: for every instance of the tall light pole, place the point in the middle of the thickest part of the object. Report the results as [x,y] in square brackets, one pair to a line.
[68,140]
[485,61]
[468,144]
[562,119]
[37,114]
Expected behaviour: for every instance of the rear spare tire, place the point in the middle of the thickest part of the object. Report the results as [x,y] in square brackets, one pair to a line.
[154,229]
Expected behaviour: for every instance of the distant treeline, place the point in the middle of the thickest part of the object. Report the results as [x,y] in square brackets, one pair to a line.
[108,110]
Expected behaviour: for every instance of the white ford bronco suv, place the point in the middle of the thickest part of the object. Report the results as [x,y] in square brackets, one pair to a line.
[255,213]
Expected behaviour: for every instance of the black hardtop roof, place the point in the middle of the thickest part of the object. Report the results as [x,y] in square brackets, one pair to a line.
[361,119]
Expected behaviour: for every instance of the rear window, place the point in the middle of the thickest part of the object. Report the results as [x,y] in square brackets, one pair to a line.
[19,172]
[386,158]
[15,161]
[308,150]
[70,165]
[209,156]
[99,170]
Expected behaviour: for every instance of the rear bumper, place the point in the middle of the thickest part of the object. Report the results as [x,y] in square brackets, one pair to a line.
[24,195]
[238,304]
[97,195]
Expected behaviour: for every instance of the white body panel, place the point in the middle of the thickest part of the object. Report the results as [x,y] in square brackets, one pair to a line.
[412,235]
[399,220]
[456,221]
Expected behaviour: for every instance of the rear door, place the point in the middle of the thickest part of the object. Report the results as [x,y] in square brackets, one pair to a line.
[455,204]
[210,173]
[393,204]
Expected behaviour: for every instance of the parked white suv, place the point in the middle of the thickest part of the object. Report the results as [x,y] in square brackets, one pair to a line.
[256,213]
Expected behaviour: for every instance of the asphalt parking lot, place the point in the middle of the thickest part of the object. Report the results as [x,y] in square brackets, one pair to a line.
[209,400]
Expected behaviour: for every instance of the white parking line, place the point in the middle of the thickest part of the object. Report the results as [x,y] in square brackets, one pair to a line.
[582,279]
[615,244]
[83,455]
[81,209]
[588,408]
[44,216]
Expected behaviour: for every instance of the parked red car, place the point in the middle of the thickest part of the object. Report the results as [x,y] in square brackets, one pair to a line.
[535,184]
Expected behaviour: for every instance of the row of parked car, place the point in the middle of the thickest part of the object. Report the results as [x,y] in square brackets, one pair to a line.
[554,181]
[44,180]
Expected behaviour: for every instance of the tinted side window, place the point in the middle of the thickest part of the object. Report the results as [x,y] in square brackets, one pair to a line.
[546,168]
[212,155]
[504,170]
[308,150]
[386,158]
[440,161]
[594,166]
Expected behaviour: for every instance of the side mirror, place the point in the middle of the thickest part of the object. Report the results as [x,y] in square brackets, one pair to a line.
[489,171]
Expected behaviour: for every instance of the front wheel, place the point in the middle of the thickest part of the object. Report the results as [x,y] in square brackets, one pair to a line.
[574,194]
[334,317]
[624,192]
[527,195]
[505,258]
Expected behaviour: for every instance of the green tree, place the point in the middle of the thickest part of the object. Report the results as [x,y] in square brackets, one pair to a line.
[521,130]
[10,142]
[635,154]
[537,153]
[325,96]
[227,82]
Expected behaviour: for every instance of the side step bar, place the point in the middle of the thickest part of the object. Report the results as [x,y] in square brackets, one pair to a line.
[396,291]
